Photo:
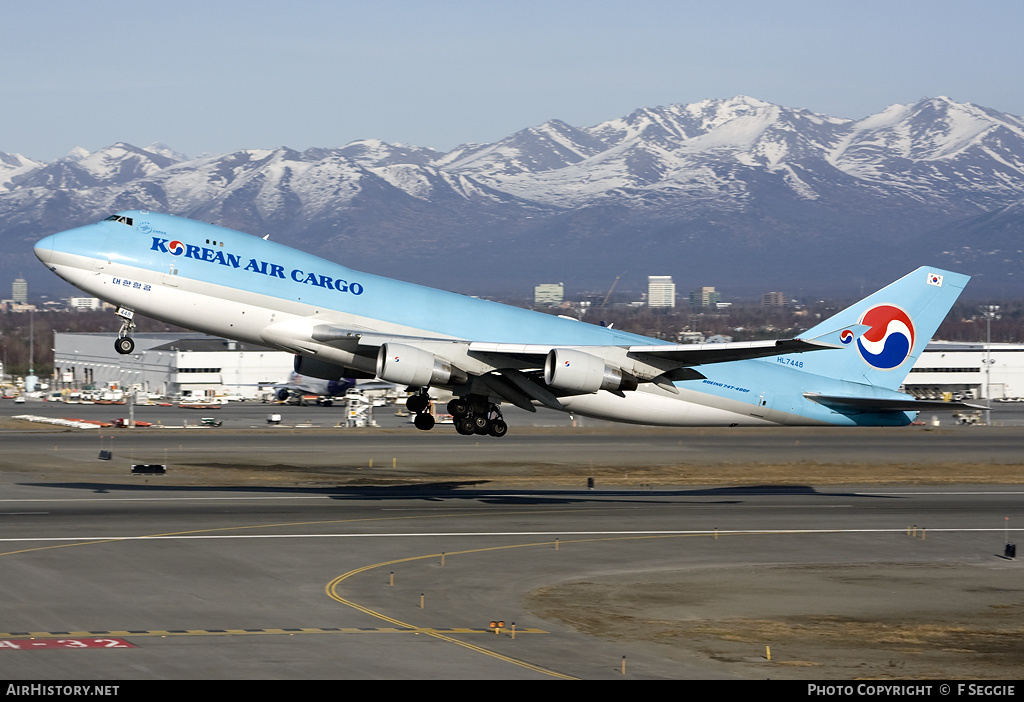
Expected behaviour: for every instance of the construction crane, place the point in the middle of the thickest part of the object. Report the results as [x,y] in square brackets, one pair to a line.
[614,282]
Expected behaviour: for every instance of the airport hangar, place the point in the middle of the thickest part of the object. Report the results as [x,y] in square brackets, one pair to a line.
[202,365]
[167,364]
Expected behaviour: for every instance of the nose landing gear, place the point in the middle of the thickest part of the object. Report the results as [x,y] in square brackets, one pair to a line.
[124,344]
[419,404]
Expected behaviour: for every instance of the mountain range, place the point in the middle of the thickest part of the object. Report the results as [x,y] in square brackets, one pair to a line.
[739,193]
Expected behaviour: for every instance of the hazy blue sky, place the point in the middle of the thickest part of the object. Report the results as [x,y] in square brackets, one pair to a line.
[218,75]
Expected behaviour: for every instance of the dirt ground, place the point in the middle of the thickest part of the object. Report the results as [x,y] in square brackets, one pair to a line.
[918,621]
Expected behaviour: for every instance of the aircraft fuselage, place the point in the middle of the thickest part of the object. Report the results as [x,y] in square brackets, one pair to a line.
[231,284]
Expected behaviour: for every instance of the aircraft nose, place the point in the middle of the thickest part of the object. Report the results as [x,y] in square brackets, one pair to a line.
[44,248]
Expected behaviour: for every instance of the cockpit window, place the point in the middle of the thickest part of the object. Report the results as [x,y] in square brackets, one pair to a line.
[119,218]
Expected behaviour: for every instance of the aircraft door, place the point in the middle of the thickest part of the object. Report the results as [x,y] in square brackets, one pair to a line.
[170,278]
[763,405]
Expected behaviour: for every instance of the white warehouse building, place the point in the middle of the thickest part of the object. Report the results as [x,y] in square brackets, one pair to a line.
[193,365]
[981,371]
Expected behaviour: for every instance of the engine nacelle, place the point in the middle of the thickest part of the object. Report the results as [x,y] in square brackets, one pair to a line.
[578,372]
[315,368]
[409,365]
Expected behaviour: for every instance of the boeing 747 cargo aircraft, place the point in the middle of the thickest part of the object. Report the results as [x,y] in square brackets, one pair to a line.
[341,323]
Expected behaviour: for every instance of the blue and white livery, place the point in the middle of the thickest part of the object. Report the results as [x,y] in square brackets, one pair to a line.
[345,324]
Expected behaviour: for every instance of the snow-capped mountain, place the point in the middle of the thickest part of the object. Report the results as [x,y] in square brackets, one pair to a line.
[14,165]
[738,193]
[113,166]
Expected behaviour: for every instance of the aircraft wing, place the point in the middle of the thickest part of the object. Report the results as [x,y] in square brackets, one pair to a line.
[700,354]
[526,373]
[676,355]
[681,354]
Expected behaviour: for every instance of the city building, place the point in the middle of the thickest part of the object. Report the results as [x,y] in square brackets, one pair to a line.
[19,290]
[661,291]
[12,306]
[774,299]
[84,303]
[548,294]
[705,297]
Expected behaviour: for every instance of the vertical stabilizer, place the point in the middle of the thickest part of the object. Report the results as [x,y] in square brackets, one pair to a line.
[882,335]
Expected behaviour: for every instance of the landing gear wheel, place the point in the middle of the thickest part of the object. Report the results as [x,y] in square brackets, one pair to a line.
[424,421]
[497,428]
[417,403]
[124,345]
[466,427]
[458,408]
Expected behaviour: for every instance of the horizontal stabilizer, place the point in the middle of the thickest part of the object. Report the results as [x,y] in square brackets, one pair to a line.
[849,405]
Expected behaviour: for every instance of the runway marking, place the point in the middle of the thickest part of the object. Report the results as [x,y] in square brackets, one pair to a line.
[135,633]
[332,592]
[175,499]
[957,493]
[63,642]
[72,540]
[95,540]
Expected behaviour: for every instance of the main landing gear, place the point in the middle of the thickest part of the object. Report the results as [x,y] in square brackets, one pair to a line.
[473,414]
[124,344]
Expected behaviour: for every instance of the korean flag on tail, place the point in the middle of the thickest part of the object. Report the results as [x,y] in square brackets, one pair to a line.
[935,279]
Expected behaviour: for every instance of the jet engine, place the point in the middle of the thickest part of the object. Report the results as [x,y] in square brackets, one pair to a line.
[578,372]
[415,367]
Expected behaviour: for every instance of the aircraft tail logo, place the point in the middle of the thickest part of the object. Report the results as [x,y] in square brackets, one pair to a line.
[889,340]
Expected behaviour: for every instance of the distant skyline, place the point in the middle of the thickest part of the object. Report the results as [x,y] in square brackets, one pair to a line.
[221,75]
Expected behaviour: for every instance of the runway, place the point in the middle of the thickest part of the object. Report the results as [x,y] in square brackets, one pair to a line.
[239,564]
[542,449]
